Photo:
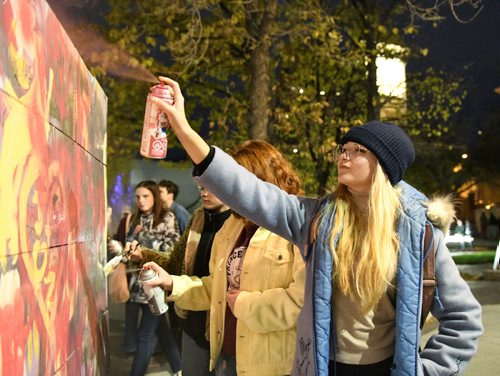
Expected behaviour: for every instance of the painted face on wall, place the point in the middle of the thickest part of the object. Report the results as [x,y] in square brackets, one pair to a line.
[144,200]
[356,166]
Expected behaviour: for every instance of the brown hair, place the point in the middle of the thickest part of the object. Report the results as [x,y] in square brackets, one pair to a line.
[170,186]
[158,211]
[268,164]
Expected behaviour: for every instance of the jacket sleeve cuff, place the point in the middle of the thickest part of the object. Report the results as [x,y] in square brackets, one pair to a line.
[199,169]
[177,288]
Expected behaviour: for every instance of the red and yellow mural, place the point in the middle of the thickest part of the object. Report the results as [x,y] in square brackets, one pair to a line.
[52,200]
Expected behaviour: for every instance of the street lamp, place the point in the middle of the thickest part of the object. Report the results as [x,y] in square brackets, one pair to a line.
[391,74]
[391,81]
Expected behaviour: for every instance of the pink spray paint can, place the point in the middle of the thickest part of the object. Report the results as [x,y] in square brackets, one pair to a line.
[154,133]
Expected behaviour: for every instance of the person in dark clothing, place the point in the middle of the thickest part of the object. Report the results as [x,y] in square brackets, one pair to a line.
[492,229]
[191,256]
[483,221]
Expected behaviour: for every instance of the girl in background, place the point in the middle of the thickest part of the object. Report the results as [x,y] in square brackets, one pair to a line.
[153,227]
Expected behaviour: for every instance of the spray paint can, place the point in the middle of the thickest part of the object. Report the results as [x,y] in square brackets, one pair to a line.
[154,133]
[155,295]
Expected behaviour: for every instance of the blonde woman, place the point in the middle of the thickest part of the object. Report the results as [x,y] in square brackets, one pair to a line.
[363,249]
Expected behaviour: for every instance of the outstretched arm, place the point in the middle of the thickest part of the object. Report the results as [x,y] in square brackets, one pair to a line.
[163,280]
[288,215]
[189,292]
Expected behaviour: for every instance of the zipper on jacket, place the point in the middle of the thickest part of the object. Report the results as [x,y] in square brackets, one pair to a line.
[313,288]
[333,329]
[419,308]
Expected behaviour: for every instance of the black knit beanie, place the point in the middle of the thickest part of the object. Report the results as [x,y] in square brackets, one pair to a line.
[391,145]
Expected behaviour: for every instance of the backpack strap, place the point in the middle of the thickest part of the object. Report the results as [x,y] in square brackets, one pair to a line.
[314,227]
[429,275]
[313,230]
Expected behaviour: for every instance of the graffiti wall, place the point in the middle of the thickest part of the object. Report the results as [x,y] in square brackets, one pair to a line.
[52,200]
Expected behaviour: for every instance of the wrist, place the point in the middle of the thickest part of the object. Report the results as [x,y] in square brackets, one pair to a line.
[167,285]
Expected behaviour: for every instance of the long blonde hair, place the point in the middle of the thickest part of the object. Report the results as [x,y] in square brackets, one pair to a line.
[366,255]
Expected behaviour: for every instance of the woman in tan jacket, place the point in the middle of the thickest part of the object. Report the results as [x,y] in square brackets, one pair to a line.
[255,288]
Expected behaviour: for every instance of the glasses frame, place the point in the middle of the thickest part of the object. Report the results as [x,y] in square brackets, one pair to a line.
[349,153]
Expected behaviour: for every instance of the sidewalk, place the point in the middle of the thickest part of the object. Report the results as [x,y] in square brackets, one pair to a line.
[120,364]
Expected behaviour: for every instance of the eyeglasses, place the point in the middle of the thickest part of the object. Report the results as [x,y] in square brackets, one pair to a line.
[349,153]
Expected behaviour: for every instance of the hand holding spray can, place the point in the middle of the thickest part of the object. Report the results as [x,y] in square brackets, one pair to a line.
[154,137]
[155,295]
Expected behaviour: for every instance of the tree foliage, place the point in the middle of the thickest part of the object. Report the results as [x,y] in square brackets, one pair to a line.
[482,165]
[297,74]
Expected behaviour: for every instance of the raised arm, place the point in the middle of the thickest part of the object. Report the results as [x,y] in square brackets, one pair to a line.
[263,203]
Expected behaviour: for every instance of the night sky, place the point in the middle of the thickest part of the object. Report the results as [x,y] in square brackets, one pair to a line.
[453,45]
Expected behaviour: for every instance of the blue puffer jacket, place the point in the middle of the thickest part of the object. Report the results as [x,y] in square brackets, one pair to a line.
[459,314]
